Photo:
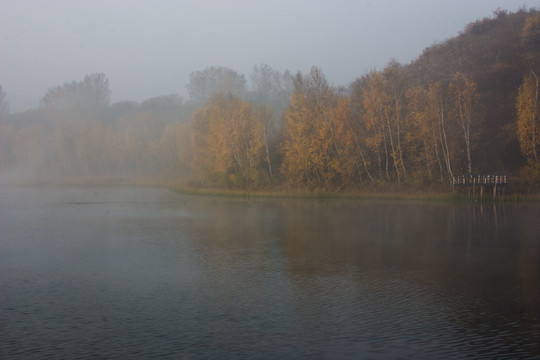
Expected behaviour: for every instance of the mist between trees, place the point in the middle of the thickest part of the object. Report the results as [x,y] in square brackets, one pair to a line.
[467,105]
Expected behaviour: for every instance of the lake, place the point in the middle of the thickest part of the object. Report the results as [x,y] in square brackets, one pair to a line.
[124,272]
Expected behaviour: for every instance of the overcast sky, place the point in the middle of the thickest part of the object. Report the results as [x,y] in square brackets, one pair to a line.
[149,47]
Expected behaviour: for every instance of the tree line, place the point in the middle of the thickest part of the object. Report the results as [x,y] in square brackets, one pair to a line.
[385,131]
[391,127]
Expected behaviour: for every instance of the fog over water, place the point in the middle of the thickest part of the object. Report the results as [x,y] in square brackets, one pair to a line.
[197,95]
[140,272]
[149,48]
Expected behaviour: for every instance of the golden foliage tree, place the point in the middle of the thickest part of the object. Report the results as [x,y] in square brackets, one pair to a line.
[375,103]
[383,98]
[464,96]
[395,88]
[229,142]
[318,143]
[528,119]
[422,139]
[429,135]
[530,38]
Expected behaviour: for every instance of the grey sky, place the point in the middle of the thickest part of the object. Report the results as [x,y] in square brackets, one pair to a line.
[149,47]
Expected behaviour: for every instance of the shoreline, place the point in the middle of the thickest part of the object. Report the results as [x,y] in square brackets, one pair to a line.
[375,193]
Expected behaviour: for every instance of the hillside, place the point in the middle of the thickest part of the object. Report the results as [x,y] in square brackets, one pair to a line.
[496,54]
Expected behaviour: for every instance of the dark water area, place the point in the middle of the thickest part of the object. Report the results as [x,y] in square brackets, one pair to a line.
[104,272]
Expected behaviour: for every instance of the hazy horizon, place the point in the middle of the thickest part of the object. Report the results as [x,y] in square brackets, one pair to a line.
[148,49]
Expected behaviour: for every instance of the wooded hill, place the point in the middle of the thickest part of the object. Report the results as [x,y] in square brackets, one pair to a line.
[497,53]
[469,104]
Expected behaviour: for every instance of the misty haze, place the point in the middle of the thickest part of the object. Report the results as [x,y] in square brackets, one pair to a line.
[292,180]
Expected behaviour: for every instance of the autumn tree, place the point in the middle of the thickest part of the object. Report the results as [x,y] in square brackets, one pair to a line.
[431,134]
[528,119]
[423,135]
[380,103]
[318,142]
[530,38]
[527,102]
[347,161]
[359,124]
[374,105]
[395,84]
[265,115]
[229,142]
[303,158]
[464,98]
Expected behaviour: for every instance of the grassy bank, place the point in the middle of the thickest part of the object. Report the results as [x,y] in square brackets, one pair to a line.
[388,192]
[367,195]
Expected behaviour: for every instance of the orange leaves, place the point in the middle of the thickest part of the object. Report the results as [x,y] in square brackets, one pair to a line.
[229,142]
[528,119]
[318,142]
[463,95]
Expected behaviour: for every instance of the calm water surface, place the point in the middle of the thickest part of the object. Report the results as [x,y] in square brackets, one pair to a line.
[146,273]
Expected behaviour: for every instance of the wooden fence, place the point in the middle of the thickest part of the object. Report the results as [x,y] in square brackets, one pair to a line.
[479,184]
